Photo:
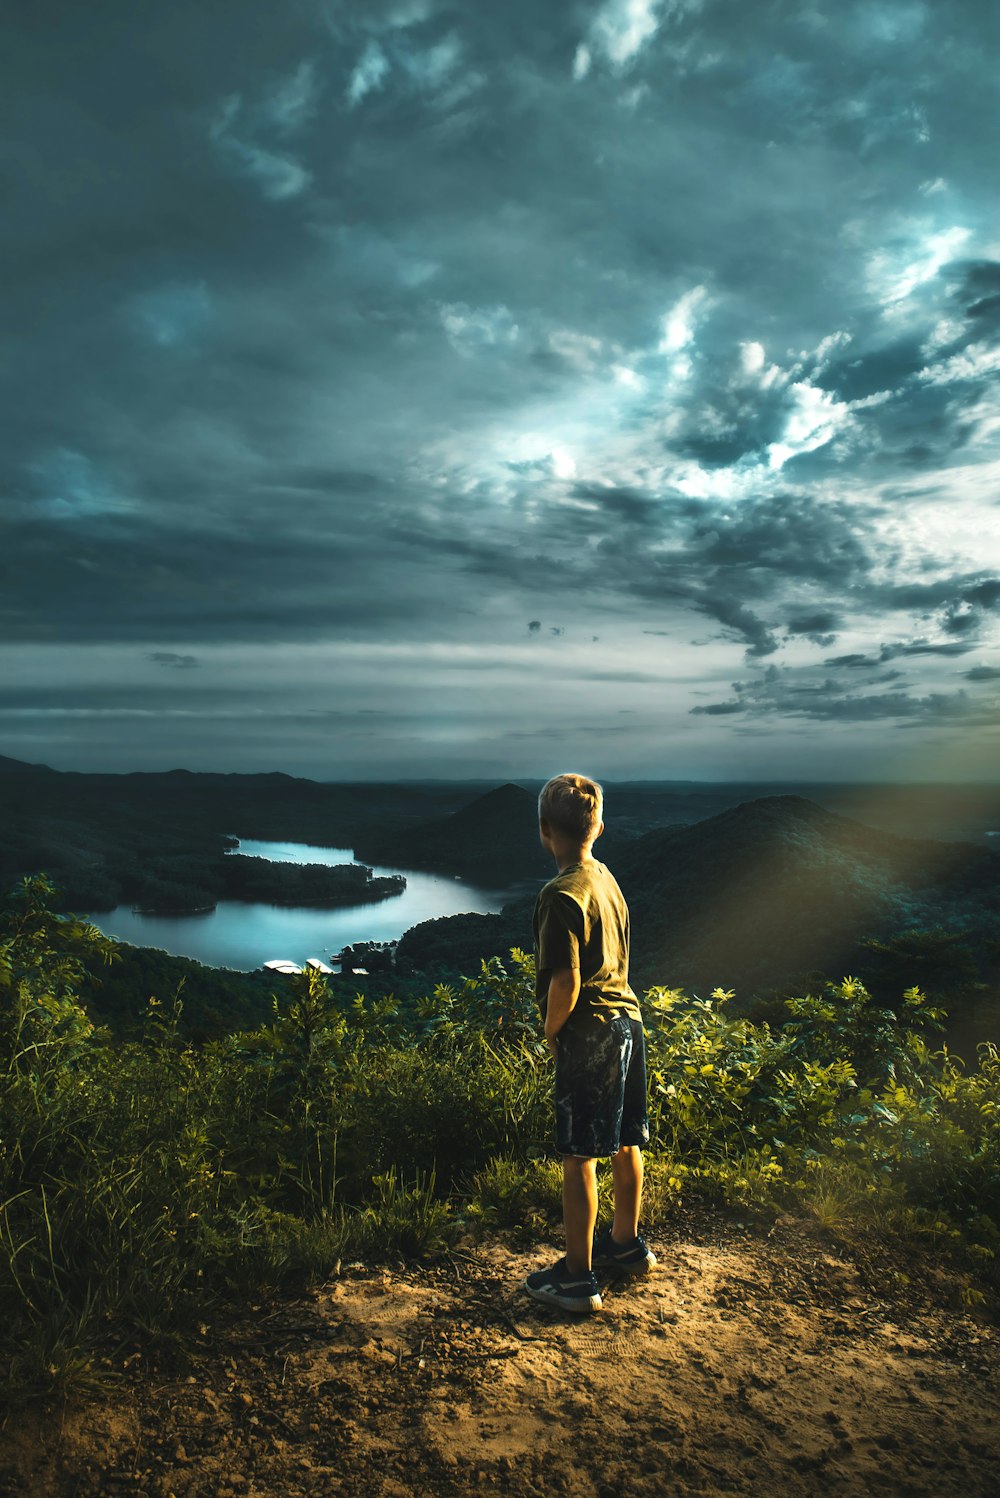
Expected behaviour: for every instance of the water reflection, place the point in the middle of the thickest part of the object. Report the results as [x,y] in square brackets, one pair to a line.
[242,936]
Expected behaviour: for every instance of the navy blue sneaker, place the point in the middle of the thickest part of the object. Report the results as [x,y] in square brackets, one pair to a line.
[559,1287]
[631,1258]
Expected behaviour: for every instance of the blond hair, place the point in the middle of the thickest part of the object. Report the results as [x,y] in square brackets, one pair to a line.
[573,805]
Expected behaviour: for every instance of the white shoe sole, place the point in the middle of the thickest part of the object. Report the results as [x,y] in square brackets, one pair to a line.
[575,1303]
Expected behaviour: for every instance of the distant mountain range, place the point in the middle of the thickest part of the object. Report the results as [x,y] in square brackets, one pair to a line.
[21,767]
[155,839]
[770,892]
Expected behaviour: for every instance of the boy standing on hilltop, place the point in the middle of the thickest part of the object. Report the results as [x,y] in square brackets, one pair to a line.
[593,1027]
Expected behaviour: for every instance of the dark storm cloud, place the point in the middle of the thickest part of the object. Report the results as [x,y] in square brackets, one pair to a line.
[173,659]
[922,647]
[774,696]
[813,625]
[903,648]
[852,661]
[979,293]
[728,556]
[413,321]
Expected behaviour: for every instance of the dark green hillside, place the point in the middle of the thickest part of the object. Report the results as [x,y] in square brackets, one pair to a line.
[215,1001]
[779,887]
[493,839]
[10,766]
[457,944]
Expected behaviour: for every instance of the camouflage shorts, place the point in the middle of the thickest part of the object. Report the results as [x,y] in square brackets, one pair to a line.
[600,1087]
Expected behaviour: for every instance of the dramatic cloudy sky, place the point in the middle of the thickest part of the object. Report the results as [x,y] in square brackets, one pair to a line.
[413,387]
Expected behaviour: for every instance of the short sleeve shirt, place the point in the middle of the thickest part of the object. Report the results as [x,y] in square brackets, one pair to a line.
[581,921]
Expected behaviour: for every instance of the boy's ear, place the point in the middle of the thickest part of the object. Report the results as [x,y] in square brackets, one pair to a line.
[599,831]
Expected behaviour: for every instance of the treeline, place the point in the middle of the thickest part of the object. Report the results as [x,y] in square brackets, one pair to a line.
[176,882]
[144,1179]
[215,1002]
[307,883]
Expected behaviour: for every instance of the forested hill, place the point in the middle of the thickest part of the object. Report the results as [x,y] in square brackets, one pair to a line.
[493,839]
[780,886]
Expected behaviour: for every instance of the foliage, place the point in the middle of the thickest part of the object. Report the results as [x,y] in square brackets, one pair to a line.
[144,1177]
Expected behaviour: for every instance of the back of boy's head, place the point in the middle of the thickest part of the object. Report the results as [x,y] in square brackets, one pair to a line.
[573,805]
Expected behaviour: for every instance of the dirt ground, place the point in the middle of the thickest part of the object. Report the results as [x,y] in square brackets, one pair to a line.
[747,1362]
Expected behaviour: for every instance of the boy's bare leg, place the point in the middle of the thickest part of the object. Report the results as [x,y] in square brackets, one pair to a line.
[579,1210]
[626,1173]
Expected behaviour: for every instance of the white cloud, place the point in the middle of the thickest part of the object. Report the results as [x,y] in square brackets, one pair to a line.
[633,97]
[369,74]
[409,13]
[877,398]
[626,376]
[399,260]
[815,419]
[430,68]
[755,370]
[896,279]
[678,324]
[716,483]
[890,23]
[278,175]
[622,28]
[579,349]
[973,363]
[73,488]
[946,330]
[292,103]
[469,328]
[173,313]
[563,463]
[932,186]
[752,357]
[820,356]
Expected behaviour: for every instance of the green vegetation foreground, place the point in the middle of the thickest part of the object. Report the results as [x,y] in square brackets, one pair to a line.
[144,1181]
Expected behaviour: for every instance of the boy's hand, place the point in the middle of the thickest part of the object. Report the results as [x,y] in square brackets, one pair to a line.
[564,990]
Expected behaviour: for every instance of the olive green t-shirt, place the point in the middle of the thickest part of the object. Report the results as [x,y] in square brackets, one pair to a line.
[581,921]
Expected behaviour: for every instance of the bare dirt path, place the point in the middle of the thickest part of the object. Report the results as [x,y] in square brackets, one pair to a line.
[745,1363]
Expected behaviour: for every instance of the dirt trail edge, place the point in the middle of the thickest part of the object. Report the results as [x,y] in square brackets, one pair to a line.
[744,1363]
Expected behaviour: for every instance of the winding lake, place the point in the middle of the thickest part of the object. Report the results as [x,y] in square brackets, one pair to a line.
[242,936]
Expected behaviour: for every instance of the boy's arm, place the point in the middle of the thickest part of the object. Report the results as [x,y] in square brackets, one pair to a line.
[564,990]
